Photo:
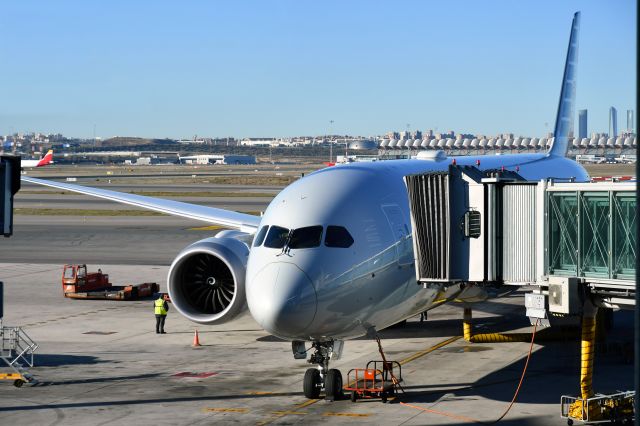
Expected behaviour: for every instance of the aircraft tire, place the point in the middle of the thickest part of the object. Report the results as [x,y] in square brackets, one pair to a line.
[311,383]
[333,384]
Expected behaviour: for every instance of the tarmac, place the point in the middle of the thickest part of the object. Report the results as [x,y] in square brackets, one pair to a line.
[100,362]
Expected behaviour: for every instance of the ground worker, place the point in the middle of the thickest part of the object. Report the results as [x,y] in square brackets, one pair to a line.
[161,307]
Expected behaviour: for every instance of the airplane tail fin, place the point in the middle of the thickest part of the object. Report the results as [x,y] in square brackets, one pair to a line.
[46,159]
[565,118]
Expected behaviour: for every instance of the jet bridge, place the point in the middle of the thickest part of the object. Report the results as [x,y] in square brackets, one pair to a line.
[563,240]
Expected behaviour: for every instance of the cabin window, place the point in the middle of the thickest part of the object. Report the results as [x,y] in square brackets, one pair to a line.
[260,236]
[276,237]
[307,237]
[338,236]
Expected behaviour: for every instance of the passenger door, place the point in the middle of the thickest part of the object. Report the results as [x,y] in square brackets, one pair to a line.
[400,232]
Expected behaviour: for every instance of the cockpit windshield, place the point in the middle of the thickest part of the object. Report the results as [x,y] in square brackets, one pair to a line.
[338,236]
[260,236]
[276,237]
[307,237]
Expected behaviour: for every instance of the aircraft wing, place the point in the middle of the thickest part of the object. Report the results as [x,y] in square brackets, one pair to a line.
[235,220]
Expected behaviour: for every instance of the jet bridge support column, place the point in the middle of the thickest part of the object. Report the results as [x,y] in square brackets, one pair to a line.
[580,408]
[587,350]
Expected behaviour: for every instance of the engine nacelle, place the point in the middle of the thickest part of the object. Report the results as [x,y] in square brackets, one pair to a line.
[206,280]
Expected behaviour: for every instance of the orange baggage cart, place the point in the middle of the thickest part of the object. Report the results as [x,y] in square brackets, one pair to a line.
[378,380]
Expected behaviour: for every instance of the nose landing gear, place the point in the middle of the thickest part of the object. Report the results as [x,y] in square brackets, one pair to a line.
[322,378]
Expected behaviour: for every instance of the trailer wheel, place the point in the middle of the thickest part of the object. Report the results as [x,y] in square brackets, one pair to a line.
[333,384]
[354,396]
[311,383]
[18,383]
[384,397]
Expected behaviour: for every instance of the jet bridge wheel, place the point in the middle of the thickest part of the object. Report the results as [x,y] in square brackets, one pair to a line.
[333,385]
[312,383]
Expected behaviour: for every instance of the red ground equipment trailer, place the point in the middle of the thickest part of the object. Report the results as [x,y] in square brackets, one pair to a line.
[77,283]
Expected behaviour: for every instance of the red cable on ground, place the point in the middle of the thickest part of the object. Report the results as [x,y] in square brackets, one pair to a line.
[515,395]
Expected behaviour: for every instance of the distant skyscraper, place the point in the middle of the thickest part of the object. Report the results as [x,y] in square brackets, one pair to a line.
[613,122]
[582,123]
[630,127]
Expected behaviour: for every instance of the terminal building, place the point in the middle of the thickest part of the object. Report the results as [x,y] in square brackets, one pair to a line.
[217,159]
[601,146]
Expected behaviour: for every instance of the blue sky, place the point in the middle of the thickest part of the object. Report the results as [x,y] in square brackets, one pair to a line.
[284,68]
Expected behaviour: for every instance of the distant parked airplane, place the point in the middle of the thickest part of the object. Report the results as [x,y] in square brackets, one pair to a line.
[47,159]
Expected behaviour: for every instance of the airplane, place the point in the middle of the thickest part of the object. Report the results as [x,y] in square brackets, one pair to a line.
[332,257]
[47,159]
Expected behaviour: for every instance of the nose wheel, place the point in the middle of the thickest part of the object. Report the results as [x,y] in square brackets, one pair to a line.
[322,378]
[314,383]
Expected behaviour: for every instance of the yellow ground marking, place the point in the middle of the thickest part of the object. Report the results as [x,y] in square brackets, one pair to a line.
[226,410]
[307,403]
[206,228]
[407,360]
[259,393]
[345,415]
[417,355]
[289,413]
[427,351]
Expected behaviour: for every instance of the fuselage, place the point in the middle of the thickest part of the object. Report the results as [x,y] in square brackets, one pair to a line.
[335,257]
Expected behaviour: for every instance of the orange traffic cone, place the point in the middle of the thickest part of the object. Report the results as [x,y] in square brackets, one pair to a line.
[196,340]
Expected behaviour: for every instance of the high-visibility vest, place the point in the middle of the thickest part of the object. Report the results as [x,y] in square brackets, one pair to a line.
[159,307]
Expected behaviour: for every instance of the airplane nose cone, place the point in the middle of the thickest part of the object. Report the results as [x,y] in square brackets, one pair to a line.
[282,299]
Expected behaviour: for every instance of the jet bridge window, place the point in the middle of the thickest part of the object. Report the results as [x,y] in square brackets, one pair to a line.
[260,236]
[307,237]
[338,236]
[276,237]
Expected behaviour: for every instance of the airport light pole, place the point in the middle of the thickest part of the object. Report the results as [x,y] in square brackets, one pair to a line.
[330,142]
[408,140]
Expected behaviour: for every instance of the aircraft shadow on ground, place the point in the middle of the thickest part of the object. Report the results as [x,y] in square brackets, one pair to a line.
[58,360]
[553,371]
[270,338]
[98,380]
[436,328]
[133,402]
[448,327]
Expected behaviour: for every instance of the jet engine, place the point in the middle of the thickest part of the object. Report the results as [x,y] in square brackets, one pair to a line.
[206,280]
